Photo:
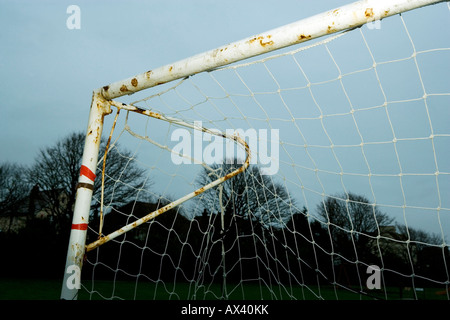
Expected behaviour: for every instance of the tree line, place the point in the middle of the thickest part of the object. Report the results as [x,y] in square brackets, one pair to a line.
[250,227]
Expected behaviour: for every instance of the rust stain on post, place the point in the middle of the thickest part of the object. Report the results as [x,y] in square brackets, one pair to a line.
[369,13]
[97,136]
[134,82]
[331,29]
[261,41]
[303,37]
[267,43]
[123,88]
[199,191]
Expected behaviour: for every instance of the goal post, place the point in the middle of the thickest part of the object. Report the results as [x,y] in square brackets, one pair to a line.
[269,210]
[344,18]
[85,188]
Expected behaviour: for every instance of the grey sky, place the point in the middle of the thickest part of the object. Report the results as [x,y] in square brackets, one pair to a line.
[49,72]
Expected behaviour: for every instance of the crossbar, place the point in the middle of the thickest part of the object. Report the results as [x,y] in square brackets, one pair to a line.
[340,19]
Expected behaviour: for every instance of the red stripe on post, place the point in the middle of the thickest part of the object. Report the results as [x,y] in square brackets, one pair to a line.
[80,226]
[85,171]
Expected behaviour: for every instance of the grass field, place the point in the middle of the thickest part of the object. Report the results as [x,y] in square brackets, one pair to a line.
[40,289]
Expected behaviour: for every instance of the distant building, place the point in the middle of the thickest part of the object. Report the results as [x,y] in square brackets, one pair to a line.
[35,205]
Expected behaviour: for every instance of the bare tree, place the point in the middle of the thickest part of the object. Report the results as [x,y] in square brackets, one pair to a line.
[420,242]
[419,236]
[350,218]
[239,219]
[13,189]
[352,212]
[56,172]
[249,195]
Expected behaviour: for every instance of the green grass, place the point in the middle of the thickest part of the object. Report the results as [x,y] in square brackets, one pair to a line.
[183,291]
[29,289]
[41,289]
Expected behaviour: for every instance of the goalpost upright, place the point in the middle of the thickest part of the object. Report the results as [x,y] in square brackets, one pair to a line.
[340,19]
[85,188]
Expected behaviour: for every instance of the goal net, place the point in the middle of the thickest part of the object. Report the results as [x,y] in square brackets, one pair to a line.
[317,171]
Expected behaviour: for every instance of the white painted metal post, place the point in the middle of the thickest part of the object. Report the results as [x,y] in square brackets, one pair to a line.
[76,248]
[344,18]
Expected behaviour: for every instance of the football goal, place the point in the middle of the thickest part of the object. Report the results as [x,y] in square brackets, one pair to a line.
[311,161]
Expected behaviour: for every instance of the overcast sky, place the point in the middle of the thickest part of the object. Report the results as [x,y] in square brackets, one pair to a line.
[49,71]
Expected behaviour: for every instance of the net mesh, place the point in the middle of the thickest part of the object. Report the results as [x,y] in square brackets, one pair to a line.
[347,190]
